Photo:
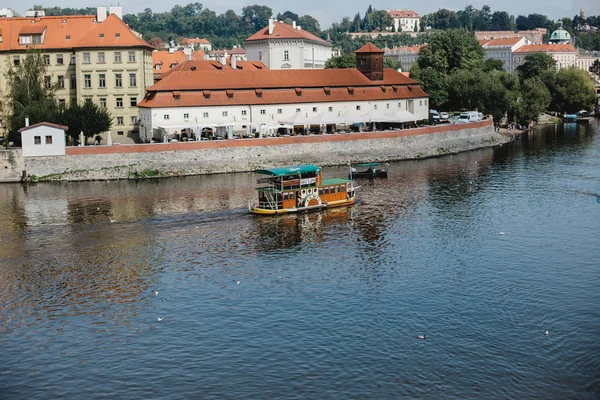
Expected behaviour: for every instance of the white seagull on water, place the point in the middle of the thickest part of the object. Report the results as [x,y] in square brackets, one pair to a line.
[160,319]
[546,333]
[422,337]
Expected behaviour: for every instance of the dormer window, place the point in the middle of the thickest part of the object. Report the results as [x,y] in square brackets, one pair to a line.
[68,37]
[206,94]
[158,67]
[117,35]
[298,91]
[177,95]
[102,35]
[229,94]
[259,92]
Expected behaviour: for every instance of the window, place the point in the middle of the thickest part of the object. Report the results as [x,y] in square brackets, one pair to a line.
[132,80]
[244,112]
[205,115]
[166,116]
[62,102]
[399,105]
[132,56]
[102,80]
[420,102]
[37,39]
[25,39]
[279,111]
[103,102]
[358,108]
[286,55]
[186,116]
[47,59]
[119,120]
[117,34]
[388,105]
[133,102]
[87,80]
[297,110]
[48,139]
[330,109]
[102,35]
[59,59]
[133,120]
[224,113]
[119,102]
[314,109]
[73,58]
[86,58]
[73,81]
[260,56]
[101,57]
[37,140]
[16,60]
[68,37]
[117,56]
[263,112]
[120,133]
[118,80]
[61,81]
[375,107]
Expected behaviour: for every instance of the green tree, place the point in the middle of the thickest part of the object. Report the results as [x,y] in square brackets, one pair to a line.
[309,24]
[491,64]
[389,62]
[434,84]
[29,94]
[534,101]
[381,20]
[451,49]
[572,90]
[86,117]
[595,68]
[535,65]
[344,61]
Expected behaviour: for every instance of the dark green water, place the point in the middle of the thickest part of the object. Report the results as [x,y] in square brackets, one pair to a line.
[480,252]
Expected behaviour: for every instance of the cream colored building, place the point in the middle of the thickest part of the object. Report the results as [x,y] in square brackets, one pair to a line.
[405,20]
[89,56]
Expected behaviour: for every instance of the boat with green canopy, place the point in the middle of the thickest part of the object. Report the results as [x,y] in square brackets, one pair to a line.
[299,188]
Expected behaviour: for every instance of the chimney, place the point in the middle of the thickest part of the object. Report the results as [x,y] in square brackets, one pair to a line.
[294,25]
[26,121]
[171,50]
[100,14]
[271,26]
[233,62]
[188,53]
[223,60]
[118,11]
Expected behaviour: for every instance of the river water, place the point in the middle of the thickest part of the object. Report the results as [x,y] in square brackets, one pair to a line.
[481,252]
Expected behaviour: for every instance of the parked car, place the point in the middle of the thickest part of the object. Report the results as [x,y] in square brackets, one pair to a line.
[443,115]
[470,116]
[434,116]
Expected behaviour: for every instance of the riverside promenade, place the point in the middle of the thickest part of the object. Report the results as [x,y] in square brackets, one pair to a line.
[241,155]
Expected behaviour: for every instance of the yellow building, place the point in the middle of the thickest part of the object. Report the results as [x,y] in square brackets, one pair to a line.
[88,56]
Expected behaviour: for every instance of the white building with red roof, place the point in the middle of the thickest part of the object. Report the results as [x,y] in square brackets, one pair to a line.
[283,46]
[242,99]
[405,20]
[502,49]
[565,55]
[196,44]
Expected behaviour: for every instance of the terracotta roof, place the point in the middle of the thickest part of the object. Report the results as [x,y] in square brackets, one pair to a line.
[26,128]
[285,31]
[112,32]
[504,42]
[280,96]
[403,14]
[167,59]
[482,42]
[32,29]
[405,49]
[546,48]
[369,48]
[185,41]
[237,50]
[184,78]
[68,32]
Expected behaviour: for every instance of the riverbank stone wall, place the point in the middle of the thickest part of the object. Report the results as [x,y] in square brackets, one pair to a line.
[180,159]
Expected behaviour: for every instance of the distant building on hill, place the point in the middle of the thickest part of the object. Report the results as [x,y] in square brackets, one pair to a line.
[196,44]
[565,55]
[532,36]
[405,20]
[405,55]
[502,49]
[165,60]
[283,46]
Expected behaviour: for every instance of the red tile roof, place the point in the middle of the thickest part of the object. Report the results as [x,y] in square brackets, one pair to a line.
[403,14]
[504,42]
[546,48]
[285,31]
[369,48]
[228,87]
[68,32]
[26,128]
[186,41]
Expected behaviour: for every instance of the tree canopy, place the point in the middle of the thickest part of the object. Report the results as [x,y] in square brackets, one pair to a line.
[451,49]
[535,65]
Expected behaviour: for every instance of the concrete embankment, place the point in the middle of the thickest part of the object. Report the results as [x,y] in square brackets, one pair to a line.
[197,158]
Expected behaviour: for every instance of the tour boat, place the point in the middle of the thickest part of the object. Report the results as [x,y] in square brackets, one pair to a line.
[370,172]
[300,188]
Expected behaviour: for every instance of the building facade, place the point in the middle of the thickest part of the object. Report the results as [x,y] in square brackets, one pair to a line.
[246,101]
[565,55]
[43,139]
[405,55]
[405,20]
[282,46]
[502,50]
[534,36]
[87,57]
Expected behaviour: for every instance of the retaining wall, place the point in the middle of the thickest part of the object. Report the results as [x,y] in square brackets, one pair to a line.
[11,165]
[196,158]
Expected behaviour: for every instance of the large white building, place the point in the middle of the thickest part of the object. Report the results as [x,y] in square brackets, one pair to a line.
[405,20]
[502,49]
[244,101]
[405,55]
[565,55]
[283,46]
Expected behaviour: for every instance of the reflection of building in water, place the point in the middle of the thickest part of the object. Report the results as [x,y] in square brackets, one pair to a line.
[46,211]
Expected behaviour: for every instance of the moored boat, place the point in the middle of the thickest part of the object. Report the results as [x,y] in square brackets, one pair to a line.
[370,172]
[300,188]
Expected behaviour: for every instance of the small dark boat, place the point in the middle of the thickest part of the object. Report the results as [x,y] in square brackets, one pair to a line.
[370,172]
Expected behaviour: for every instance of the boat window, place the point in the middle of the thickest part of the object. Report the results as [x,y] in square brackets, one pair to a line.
[332,189]
[326,190]
[337,189]
[320,191]
[292,196]
[343,188]
[285,196]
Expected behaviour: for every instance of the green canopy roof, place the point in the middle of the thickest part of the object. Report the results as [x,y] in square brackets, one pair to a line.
[365,165]
[298,169]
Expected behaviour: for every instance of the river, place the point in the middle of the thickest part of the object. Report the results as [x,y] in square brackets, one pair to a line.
[186,295]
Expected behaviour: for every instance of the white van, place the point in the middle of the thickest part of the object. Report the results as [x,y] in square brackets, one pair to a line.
[470,116]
